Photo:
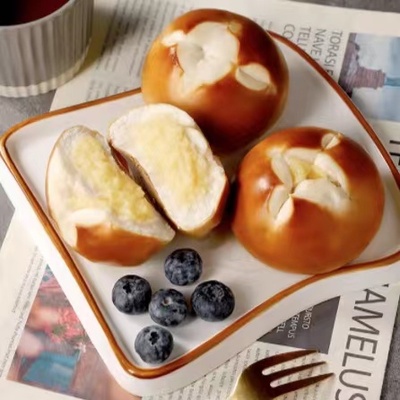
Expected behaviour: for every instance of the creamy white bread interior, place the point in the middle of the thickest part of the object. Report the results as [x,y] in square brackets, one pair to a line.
[176,162]
[309,200]
[99,210]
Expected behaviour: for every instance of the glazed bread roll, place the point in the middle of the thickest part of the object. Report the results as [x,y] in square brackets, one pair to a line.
[176,164]
[99,210]
[309,200]
[224,70]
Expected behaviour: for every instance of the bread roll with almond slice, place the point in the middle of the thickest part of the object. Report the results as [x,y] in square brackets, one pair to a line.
[177,164]
[99,210]
[224,70]
[309,200]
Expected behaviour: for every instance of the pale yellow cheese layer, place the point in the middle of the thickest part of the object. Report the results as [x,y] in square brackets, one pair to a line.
[302,170]
[173,158]
[110,188]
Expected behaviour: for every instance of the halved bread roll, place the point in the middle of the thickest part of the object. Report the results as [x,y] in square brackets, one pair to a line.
[99,210]
[177,164]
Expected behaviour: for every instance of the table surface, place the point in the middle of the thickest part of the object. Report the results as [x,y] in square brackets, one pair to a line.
[13,111]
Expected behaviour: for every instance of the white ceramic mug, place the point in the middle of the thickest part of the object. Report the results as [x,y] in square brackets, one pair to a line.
[43,44]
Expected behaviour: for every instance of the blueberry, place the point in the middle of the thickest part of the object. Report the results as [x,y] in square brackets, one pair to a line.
[183,267]
[131,294]
[154,344]
[213,301]
[168,307]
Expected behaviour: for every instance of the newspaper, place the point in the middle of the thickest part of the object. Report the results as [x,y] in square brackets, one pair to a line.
[45,352]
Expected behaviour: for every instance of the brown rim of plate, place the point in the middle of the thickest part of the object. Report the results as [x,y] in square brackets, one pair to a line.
[125,363]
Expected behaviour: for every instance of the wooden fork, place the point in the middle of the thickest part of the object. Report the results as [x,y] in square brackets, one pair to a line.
[253,385]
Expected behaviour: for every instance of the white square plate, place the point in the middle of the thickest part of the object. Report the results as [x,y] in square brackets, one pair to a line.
[265,297]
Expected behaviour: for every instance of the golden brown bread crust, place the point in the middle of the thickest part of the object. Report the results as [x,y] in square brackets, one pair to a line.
[114,245]
[110,244]
[315,239]
[230,114]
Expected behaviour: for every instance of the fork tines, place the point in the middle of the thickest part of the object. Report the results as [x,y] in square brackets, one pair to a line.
[259,366]
[300,384]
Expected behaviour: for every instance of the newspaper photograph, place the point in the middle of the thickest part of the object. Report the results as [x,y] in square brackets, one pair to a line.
[45,352]
[44,347]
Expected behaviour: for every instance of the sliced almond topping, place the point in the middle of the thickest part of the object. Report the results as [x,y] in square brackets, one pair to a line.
[302,153]
[308,174]
[173,38]
[253,76]
[332,170]
[282,170]
[330,140]
[300,161]
[322,192]
[209,51]
[277,199]
[299,168]
[206,54]
[235,27]
[285,212]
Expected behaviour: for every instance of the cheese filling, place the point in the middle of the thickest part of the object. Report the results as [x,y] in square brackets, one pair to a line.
[179,167]
[107,186]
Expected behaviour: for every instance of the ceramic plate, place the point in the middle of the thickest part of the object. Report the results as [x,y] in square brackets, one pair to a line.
[264,297]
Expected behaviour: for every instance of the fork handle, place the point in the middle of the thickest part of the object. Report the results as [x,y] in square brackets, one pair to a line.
[244,396]
[245,392]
